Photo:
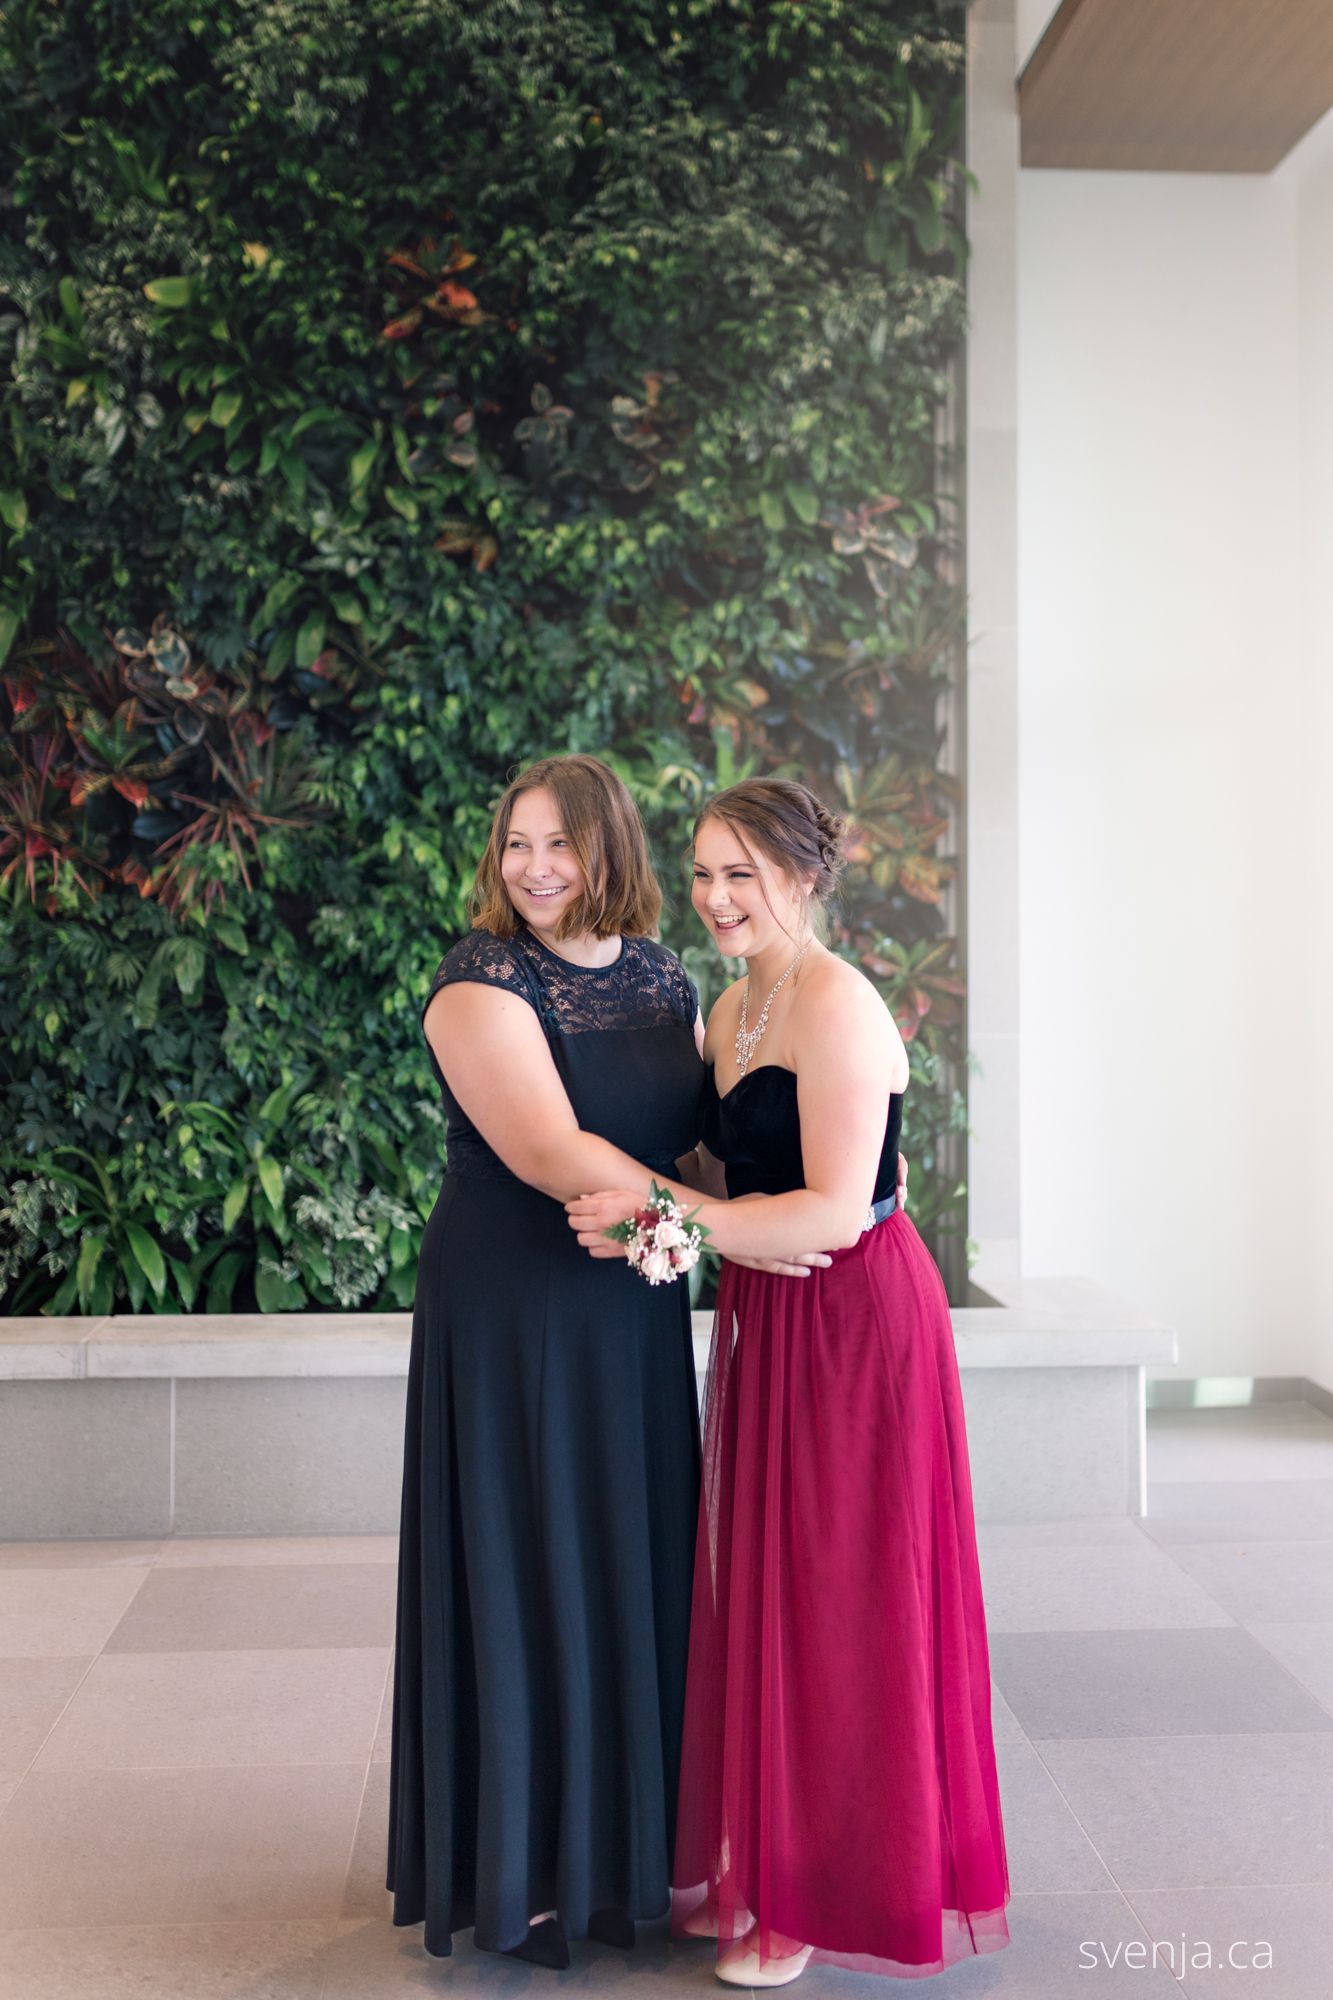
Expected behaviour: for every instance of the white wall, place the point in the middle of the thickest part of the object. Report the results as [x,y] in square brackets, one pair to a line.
[1309,170]
[1175,1120]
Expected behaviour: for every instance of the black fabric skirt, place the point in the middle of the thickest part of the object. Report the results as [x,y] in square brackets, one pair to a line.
[550,1496]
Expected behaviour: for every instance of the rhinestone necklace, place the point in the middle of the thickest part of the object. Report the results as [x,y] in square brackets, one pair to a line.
[748,1038]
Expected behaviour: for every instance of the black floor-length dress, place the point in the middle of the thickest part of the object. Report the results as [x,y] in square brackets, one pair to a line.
[550,1491]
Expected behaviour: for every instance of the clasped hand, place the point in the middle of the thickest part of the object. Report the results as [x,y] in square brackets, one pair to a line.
[591,1215]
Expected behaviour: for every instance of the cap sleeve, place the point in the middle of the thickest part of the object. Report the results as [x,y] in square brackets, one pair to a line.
[674,981]
[481,959]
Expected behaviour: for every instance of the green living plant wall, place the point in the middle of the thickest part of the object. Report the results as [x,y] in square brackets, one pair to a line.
[397,390]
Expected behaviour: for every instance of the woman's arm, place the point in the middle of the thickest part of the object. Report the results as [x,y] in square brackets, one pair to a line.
[495,1059]
[847,1050]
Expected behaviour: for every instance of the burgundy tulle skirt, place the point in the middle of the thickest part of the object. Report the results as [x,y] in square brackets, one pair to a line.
[838,1782]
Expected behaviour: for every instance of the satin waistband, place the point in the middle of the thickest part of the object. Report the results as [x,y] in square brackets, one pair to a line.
[880,1212]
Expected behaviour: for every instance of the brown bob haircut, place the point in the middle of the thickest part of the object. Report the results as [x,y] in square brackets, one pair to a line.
[601,822]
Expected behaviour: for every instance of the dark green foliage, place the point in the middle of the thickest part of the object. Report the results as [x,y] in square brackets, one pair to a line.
[398,391]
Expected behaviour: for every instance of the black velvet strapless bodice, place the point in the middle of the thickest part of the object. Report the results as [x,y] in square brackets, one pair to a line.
[755,1130]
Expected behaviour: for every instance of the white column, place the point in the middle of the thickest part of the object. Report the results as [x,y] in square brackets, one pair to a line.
[992,673]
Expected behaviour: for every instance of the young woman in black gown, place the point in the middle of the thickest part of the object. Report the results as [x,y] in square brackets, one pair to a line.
[551,1471]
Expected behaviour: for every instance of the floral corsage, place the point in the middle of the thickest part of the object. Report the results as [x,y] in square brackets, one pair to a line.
[661,1241]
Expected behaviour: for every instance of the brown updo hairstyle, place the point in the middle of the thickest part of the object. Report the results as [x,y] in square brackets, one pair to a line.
[788,824]
[601,822]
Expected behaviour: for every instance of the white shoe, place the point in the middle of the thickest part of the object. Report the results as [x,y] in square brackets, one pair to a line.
[700,1923]
[741,1964]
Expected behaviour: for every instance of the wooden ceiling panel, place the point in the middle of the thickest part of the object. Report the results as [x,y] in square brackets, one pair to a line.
[1187,86]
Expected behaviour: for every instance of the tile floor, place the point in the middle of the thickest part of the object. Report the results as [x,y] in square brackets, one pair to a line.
[193,1745]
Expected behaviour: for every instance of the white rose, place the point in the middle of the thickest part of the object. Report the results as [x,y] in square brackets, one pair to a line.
[669,1235]
[687,1258]
[657,1266]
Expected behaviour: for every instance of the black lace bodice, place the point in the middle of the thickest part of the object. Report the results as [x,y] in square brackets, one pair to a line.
[621,1037]
[755,1130]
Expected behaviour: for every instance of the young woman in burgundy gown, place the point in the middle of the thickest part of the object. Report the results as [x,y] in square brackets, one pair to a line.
[838,1795]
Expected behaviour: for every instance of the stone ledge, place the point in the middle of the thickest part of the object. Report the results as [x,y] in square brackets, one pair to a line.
[1032,1323]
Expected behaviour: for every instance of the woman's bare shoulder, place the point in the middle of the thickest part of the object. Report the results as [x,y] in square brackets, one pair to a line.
[838,999]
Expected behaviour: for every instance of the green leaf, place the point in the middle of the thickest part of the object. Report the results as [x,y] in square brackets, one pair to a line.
[148,1256]
[400,1248]
[229,933]
[402,1287]
[187,1282]
[268,455]
[270,1179]
[169,291]
[231,981]
[75,390]
[90,1256]
[350,609]
[13,510]
[315,1263]
[188,961]
[135,1280]
[276,1293]
[772,512]
[362,462]
[70,303]
[277,598]
[9,625]
[234,1203]
[310,639]
[402,502]
[803,503]
[64,1298]
[222,1282]
[103,1296]
[225,408]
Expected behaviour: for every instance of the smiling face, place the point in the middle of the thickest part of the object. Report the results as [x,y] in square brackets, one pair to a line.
[743,899]
[537,863]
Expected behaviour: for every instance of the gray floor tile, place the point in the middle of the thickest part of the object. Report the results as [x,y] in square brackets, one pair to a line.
[1047,1848]
[1005,1725]
[372,1960]
[1269,1583]
[1138,1588]
[78,1555]
[32,1696]
[1112,1531]
[166,1962]
[272,1608]
[49,1613]
[178,1710]
[1189,1812]
[383,1745]
[1059,1946]
[365,1894]
[239,1551]
[1178,1683]
[1306,1650]
[1224,1930]
[1254,1510]
[122,1847]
